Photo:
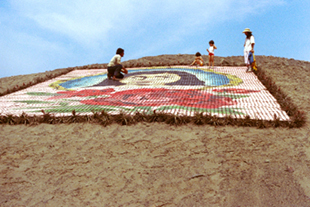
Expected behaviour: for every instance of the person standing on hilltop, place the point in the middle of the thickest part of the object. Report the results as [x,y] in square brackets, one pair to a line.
[114,67]
[211,53]
[248,47]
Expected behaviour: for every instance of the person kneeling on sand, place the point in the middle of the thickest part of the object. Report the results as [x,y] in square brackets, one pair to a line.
[198,60]
[114,67]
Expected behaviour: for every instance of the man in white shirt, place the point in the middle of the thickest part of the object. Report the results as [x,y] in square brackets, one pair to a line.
[248,47]
[114,67]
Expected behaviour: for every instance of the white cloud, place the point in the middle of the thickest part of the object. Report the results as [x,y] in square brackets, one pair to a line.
[96,20]
[89,31]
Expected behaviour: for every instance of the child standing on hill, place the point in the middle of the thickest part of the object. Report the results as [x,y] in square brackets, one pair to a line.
[114,67]
[211,53]
[198,60]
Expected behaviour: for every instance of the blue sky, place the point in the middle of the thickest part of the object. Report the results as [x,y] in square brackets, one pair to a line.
[38,36]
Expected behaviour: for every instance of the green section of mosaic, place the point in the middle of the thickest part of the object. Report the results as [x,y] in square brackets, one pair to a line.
[78,109]
[42,94]
[228,111]
[34,102]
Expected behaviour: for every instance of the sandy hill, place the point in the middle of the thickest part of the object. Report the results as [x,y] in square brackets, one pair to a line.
[156,164]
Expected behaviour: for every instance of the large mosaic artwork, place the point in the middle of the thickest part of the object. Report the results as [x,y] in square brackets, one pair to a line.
[223,91]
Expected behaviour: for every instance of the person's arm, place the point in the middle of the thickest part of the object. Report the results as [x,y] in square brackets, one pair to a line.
[252,43]
[214,47]
[193,62]
[124,70]
[252,47]
[118,60]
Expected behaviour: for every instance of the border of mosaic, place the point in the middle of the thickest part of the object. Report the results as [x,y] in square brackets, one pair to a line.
[238,94]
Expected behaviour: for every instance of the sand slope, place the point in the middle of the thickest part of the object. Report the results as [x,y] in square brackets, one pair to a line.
[158,164]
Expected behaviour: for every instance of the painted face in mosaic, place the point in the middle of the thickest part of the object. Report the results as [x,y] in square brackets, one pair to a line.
[151,79]
[181,77]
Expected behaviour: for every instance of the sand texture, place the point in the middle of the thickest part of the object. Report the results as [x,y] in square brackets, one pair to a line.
[156,164]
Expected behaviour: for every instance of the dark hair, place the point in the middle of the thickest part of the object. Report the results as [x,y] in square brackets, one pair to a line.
[197,54]
[248,34]
[211,42]
[119,51]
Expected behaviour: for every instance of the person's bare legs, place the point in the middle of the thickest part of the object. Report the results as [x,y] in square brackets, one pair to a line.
[210,60]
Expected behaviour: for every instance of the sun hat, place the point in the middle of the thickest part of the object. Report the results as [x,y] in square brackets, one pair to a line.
[247,30]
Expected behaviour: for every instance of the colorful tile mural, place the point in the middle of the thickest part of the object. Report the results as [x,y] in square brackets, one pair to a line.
[179,90]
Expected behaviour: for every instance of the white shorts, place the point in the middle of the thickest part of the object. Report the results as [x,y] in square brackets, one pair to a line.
[246,57]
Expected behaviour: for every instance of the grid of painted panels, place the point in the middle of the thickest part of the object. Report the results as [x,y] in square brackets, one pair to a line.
[221,91]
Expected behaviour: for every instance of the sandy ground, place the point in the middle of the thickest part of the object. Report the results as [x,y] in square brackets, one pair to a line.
[158,164]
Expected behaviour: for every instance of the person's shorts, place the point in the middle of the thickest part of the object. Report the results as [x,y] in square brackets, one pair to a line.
[211,54]
[119,76]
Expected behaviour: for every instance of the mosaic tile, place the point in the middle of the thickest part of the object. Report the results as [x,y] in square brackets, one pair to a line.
[180,90]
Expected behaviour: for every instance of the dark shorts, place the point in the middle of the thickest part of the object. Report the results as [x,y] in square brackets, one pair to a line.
[116,71]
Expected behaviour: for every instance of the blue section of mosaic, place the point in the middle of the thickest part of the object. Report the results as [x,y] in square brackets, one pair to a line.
[151,77]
